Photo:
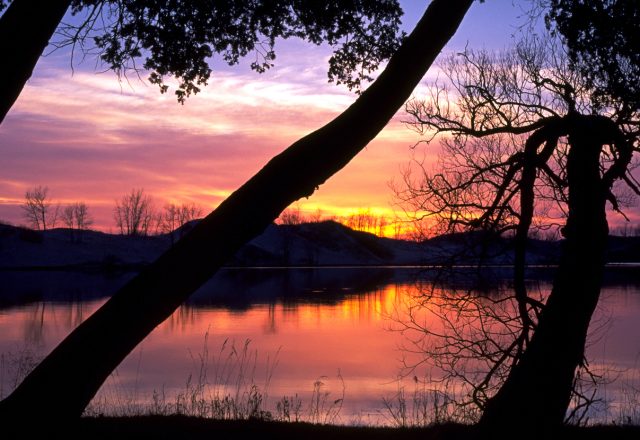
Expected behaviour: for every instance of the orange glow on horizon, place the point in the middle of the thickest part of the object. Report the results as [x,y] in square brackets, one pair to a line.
[198,153]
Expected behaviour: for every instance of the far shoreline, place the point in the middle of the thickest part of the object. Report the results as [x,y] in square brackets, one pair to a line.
[104,268]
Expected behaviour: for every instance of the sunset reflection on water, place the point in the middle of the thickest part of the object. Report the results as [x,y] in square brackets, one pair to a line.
[333,330]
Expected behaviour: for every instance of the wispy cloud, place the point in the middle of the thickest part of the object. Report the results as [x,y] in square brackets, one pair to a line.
[89,137]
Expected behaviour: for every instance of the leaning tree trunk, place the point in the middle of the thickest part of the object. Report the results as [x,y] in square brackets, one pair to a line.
[67,379]
[537,392]
[25,30]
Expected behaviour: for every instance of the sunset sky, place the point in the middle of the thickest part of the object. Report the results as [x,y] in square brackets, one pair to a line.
[91,138]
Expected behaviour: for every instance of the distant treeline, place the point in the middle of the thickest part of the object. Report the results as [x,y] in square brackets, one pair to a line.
[136,214]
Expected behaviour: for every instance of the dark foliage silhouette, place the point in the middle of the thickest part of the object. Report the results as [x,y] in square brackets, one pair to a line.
[179,38]
[602,39]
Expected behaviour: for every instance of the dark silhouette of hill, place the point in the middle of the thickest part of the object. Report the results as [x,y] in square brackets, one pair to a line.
[55,248]
[326,243]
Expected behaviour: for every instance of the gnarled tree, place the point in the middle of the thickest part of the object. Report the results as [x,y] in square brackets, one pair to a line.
[518,129]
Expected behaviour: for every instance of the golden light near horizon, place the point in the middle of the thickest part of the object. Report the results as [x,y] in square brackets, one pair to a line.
[421,280]
[380,221]
[197,153]
[106,136]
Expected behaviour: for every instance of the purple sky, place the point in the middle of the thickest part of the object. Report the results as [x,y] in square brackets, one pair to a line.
[89,137]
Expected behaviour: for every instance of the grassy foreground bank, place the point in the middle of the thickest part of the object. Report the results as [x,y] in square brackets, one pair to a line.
[183,427]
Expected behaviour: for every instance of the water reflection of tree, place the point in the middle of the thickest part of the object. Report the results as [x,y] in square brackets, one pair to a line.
[35,324]
[525,144]
[43,314]
[468,339]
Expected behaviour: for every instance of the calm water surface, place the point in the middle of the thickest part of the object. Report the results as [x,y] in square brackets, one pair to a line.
[332,328]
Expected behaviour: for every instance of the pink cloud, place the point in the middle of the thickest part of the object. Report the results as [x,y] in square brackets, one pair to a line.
[90,138]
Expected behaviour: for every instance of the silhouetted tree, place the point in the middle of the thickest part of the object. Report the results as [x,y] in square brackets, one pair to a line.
[62,385]
[291,216]
[362,220]
[173,217]
[38,208]
[179,38]
[523,127]
[366,221]
[134,213]
[67,217]
[316,216]
[383,222]
[76,217]
[602,38]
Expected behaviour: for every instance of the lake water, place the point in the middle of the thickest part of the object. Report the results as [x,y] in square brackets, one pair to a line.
[327,339]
